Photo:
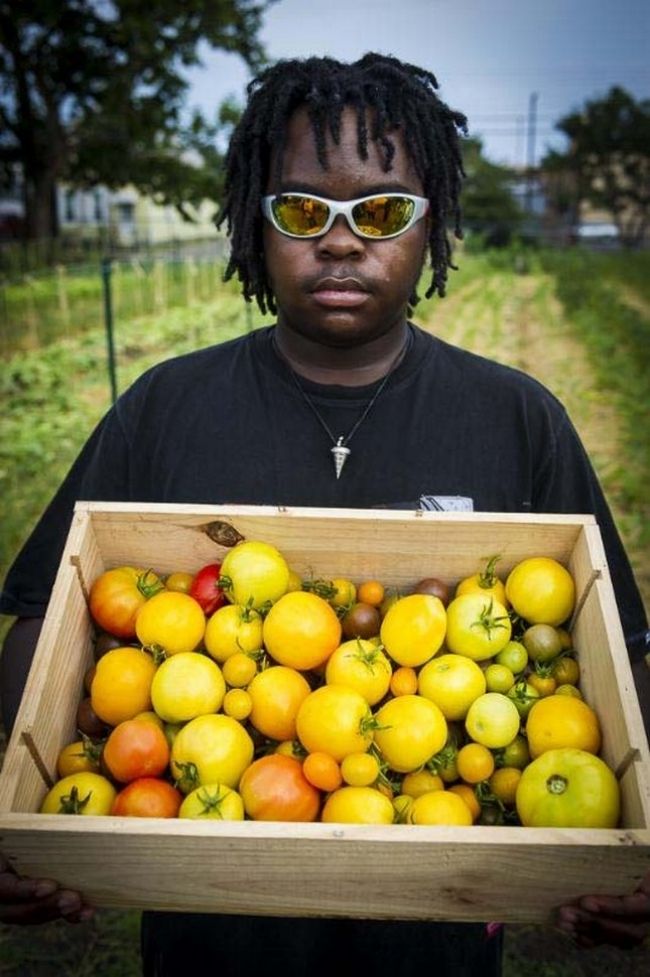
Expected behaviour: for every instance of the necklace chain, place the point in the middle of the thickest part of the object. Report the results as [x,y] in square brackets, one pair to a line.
[340,448]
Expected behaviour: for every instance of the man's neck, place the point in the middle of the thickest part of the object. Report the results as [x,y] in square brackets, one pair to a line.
[357,366]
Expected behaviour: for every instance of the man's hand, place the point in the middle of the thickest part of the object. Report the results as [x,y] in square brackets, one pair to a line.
[622,921]
[26,901]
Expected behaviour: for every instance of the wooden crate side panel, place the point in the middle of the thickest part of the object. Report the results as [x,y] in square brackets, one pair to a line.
[398,547]
[399,872]
[586,564]
[635,795]
[606,677]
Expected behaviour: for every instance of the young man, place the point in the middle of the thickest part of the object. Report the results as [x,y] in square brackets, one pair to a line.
[341,179]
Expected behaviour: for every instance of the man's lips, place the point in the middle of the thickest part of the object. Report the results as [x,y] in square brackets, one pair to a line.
[339,292]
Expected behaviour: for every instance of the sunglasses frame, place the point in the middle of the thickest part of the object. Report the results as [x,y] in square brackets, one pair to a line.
[344,207]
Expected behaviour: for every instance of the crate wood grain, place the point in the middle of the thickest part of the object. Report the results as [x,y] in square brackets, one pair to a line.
[397,871]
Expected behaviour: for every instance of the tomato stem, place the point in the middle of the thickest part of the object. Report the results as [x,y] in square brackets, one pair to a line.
[487,578]
[73,804]
[557,784]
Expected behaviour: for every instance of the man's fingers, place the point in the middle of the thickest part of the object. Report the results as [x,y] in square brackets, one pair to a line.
[634,907]
[16,889]
[597,930]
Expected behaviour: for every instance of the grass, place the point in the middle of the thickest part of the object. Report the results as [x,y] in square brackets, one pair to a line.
[578,322]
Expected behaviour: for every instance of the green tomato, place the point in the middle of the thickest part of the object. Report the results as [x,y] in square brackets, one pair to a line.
[514,656]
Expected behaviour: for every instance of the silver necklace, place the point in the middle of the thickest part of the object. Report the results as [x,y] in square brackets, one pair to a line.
[340,450]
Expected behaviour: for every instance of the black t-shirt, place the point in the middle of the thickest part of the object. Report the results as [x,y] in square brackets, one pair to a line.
[228,425]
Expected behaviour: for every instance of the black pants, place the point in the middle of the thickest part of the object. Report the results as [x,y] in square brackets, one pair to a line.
[245,946]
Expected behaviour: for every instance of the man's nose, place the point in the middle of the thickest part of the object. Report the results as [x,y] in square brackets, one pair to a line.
[340,240]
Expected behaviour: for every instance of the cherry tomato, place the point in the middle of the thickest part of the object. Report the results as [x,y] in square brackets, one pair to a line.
[117,595]
[205,589]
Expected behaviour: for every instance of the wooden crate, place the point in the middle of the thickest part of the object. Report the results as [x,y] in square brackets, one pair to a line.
[477,873]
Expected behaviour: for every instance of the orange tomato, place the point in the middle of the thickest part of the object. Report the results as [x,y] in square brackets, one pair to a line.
[121,687]
[274,788]
[404,681]
[468,795]
[301,630]
[276,696]
[475,763]
[371,592]
[559,721]
[148,797]
[322,771]
[136,749]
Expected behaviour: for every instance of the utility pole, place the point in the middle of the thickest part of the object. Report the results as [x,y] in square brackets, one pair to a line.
[530,154]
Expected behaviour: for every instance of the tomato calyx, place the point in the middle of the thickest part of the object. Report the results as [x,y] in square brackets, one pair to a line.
[189,777]
[73,804]
[320,587]
[148,587]
[557,784]
[211,802]
[487,577]
[368,657]
[157,652]
[488,621]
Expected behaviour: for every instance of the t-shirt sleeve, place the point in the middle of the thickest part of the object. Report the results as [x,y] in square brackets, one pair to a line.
[567,483]
[100,473]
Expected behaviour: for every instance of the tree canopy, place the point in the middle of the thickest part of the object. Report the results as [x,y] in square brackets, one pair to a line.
[607,164]
[93,91]
[489,207]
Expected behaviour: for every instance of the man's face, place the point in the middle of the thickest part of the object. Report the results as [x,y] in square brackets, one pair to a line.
[340,289]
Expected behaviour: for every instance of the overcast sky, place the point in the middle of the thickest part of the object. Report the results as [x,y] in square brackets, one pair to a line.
[490,56]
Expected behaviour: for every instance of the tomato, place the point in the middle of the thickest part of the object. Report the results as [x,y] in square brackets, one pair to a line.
[345,593]
[238,704]
[514,656]
[358,805]
[440,807]
[254,574]
[524,695]
[147,797]
[78,757]
[475,763]
[566,671]
[336,720]
[435,587]
[402,808]
[208,750]
[360,665]
[136,749]
[322,770]
[468,795]
[544,683]
[88,722]
[542,642]
[80,793]
[276,695]
[360,769]
[170,621]
[213,801]
[452,682]
[503,784]
[370,592]
[274,788]
[301,630]
[414,628]
[485,583]
[404,681]
[121,687]
[361,621]
[233,629]
[498,678]
[205,589]
[421,782]
[568,788]
[179,582]
[410,730]
[493,720]
[541,591]
[515,754]
[562,721]
[239,669]
[187,685]
[477,626]
[117,595]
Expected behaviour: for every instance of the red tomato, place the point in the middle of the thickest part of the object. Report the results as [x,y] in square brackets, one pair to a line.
[117,595]
[136,749]
[274,788]
[147,797]
[205,589]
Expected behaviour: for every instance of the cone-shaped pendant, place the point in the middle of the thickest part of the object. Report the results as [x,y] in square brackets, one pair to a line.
[340,453]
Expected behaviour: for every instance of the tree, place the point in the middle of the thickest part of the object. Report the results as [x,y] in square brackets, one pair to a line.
[489,207]
[607,163]
[92,91]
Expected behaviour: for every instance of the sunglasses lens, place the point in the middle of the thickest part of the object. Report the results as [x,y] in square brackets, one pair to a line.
[300,215]
[382,216]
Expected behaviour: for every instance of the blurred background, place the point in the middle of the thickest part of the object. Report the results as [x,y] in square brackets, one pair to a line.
[113,128]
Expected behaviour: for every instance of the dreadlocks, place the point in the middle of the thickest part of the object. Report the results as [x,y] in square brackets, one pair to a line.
[385,93]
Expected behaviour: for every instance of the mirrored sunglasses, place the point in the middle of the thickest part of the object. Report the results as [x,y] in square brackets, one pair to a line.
[380,216]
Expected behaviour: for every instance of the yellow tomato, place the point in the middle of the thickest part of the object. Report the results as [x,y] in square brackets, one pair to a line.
[410,730]
[404,681]
[559,721]
[238,704]
[345,593]
[301,630]
[276,695]
[187,685]
[493,720]
[232,629]
[568,788]
[213,801]
[421,782]
[336,720]
[80,793]
[360,769]
[477,626]
[255,574]
[485,582]
[210,749]
[466,792]
[172,621]
[358,805]
[361,665]
[503,784]
[121,687]
[239,669]
[440,807]
[179,582]
[475,763]
[77,757]
[452,682]
[541,591]
[413,629]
